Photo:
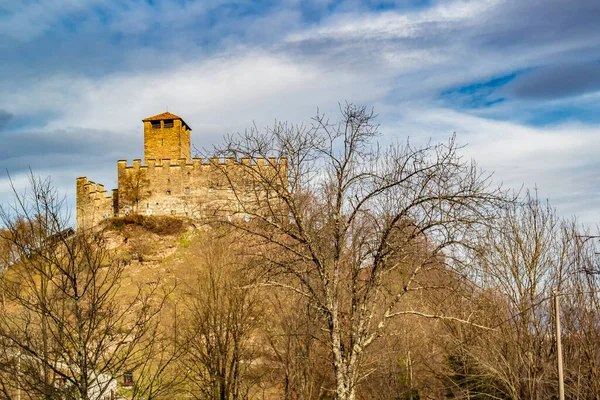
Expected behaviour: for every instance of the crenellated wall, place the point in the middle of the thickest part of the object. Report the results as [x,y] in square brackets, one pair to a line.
[178,188]
[93,202]
[195,189]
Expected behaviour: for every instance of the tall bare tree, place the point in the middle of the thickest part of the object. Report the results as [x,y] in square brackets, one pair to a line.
[339,215]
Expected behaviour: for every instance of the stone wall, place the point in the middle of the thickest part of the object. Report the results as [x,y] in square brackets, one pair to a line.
[196,189]
[93,202]
[201,188]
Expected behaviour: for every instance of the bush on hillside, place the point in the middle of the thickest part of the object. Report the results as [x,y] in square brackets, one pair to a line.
[158,225]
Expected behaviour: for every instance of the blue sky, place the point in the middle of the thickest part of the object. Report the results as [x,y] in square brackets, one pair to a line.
[517,80]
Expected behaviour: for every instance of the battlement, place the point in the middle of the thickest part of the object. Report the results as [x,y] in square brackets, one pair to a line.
[196,162]
[170,182]
[93,202]
[92,188]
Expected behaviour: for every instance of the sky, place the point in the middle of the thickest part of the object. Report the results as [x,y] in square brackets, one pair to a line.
[518,81]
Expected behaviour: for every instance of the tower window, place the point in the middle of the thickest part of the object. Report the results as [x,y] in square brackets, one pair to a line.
[155,124]
[163,141]
[187,190]
[168,123]
[169,192]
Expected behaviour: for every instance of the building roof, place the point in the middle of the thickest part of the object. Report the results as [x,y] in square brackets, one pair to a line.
[166,115]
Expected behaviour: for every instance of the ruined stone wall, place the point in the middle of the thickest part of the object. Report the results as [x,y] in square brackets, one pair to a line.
[93,203]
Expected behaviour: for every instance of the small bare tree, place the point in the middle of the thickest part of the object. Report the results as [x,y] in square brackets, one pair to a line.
[294,343]
[222,317]
[66,326]
[339,215]
[525,256]
[134,188]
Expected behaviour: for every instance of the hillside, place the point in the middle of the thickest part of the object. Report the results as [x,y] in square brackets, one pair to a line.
[282,350]
[204,278]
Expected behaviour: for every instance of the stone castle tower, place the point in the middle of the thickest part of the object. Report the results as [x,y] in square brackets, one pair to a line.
[171,182]
[166,136]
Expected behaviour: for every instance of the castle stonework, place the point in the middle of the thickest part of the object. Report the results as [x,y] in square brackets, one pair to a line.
[170,182]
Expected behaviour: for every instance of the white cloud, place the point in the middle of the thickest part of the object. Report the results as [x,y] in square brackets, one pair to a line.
[229,91]
[395,25]
[220,95]
[561,160]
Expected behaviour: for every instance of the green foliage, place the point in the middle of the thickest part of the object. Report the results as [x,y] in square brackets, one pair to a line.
[184,240]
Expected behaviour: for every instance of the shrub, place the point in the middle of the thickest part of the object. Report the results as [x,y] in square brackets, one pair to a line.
[158,225]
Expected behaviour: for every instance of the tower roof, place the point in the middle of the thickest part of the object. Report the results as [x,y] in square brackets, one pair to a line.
[166,115]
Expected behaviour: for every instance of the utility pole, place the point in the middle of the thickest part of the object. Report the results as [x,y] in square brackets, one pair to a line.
[561,384]
[19,375]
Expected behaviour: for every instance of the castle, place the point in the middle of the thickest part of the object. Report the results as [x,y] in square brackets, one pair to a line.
[172,183]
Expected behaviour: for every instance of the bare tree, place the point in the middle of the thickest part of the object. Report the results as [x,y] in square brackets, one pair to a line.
[338,213]
[580,311]
[66,324]
[296,347]
[134,188]
[526,255]
[222,316]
